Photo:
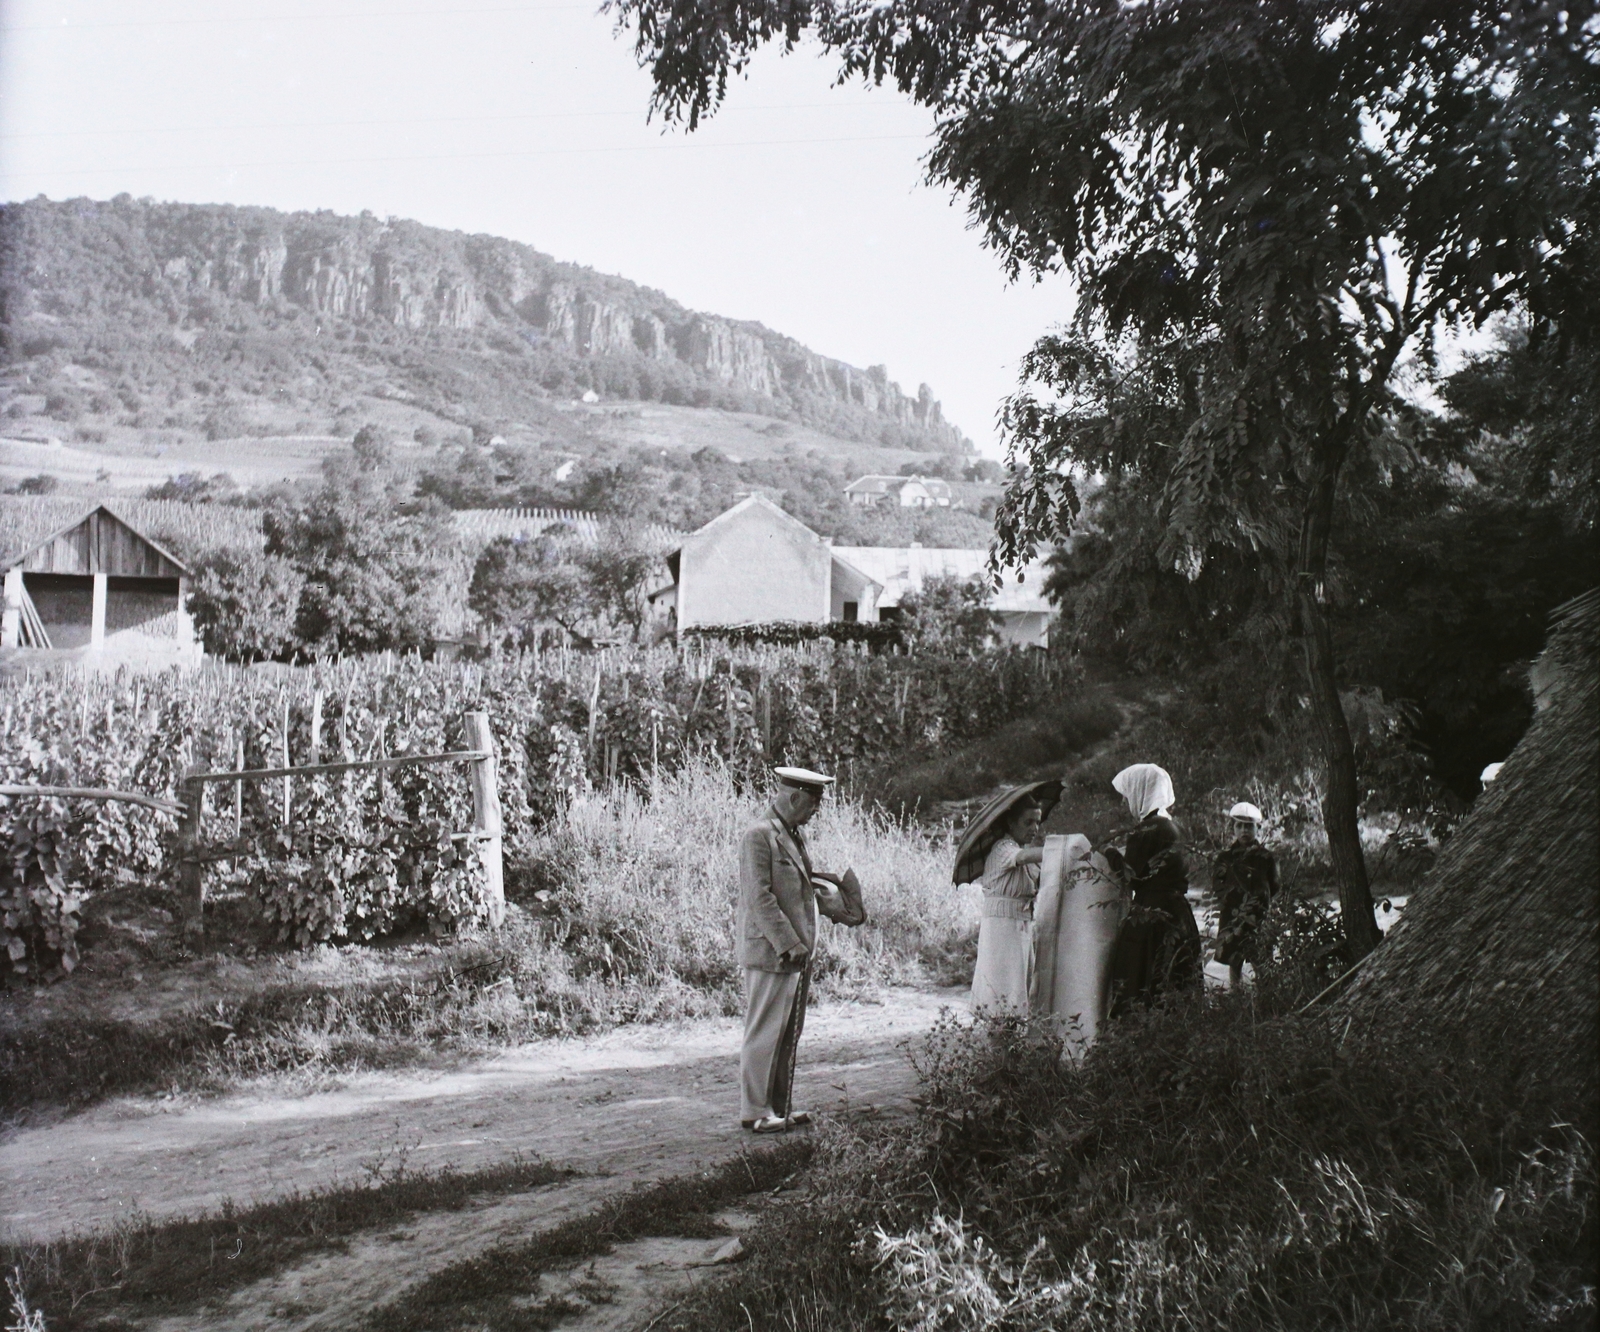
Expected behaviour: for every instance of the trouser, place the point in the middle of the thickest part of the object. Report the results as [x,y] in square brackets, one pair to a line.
[774,1014]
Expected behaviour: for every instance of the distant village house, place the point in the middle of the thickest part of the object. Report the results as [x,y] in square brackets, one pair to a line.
[99,591]
[756,564]
[906,492]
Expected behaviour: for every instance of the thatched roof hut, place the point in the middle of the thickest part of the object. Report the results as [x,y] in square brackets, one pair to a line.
[1501,938]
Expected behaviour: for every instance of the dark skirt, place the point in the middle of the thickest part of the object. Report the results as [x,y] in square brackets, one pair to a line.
[1157,952]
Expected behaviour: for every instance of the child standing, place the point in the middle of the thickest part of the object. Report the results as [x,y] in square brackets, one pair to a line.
[1245,878]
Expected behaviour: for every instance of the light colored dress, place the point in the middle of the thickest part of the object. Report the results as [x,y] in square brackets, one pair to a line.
[1077,917]
[1005,933]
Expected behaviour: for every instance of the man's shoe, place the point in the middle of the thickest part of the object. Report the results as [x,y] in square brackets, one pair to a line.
[770,1124]
[799,1117]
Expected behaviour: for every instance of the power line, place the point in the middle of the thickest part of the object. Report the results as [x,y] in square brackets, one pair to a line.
[453,157]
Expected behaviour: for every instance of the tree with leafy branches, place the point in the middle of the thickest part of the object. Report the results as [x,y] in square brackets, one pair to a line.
[1271,209]
[522,583]
[617,569]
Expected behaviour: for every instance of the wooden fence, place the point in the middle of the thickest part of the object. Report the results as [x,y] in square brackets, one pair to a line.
[192,856]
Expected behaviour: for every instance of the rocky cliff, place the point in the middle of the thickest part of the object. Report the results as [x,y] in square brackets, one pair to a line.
[133,261]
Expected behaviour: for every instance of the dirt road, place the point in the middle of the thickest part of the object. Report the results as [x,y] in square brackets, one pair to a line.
[636,1104]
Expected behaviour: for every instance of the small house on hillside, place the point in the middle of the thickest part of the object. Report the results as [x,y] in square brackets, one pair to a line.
[1024,610]
[906,492]
[756,564]
[98,590]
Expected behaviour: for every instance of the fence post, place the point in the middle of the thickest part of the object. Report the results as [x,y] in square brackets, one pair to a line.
[191,872]
[486,813]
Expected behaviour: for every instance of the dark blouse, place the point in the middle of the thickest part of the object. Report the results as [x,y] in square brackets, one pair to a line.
[1154,858]
[1158,948]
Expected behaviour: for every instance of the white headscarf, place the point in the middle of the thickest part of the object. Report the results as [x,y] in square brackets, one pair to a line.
[1146,788]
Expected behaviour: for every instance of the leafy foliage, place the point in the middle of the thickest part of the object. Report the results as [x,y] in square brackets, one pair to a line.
[1265,209]
[1217,1166]
[38,911]
[949,616]
[361,856]
[519,584]
[370,562]
[246,604]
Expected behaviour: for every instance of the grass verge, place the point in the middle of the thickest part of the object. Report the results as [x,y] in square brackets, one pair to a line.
[143,1268]
[1210,1168]
[499,1288]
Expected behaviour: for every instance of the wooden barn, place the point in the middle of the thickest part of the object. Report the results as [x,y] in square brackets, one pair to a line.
[99,589]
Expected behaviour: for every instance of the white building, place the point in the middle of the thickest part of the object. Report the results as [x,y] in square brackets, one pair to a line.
[1025,613]
[756,564]
[907,492]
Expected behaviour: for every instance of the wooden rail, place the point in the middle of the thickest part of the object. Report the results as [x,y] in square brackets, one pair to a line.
[93,793]
[355,765]
[486,815]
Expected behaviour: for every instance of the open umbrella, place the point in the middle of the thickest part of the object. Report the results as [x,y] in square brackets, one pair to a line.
[988,825]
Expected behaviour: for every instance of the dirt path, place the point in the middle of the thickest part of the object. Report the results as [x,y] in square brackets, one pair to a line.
[635,1104]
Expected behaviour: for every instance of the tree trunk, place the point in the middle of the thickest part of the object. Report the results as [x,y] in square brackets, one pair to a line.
[1341,795]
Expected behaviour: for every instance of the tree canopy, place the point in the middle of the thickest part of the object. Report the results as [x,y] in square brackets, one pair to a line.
[1271,211]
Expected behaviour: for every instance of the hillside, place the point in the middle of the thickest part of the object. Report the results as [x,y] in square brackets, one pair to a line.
[239,322]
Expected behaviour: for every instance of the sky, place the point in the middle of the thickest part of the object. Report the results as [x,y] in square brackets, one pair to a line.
[800,204]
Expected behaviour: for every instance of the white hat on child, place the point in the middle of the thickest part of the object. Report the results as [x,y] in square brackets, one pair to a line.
[1245,810]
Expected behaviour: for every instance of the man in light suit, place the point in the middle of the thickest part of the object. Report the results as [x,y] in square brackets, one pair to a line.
[779,898]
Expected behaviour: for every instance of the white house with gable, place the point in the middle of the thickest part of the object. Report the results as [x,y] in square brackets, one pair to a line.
[906,492]
[756,564]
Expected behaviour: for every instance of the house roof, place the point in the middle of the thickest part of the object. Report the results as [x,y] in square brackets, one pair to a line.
[97,541]
[884,485]
[902,569]
[755,501]
[850,567]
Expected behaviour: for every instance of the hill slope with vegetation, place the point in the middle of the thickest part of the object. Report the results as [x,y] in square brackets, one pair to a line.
[263,305]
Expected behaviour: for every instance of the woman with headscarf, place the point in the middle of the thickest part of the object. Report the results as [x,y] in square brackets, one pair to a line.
[1158,949]
[1005,932]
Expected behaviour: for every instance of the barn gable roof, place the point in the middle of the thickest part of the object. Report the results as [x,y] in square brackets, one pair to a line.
[98,542]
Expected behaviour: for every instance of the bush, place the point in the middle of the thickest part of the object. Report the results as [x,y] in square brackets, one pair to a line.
[245,604]
[1209,1167]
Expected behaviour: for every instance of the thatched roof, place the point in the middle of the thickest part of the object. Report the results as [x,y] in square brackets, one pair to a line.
[1502,935]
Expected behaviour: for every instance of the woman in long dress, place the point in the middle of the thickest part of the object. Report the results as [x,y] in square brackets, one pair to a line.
[1005,933]
[1076,921]
[1158,949]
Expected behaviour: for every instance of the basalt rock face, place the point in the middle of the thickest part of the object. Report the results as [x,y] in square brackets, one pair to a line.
[137,262]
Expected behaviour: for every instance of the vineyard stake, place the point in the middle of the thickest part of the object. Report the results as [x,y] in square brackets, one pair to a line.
[486,822]
[191,870]
[288,797]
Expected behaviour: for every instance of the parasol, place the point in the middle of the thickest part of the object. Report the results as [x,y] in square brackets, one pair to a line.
[988,825]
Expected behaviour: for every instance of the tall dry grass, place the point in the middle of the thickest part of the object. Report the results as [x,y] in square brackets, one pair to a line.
[641,887]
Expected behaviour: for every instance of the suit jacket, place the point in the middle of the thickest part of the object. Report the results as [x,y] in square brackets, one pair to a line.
[778,901]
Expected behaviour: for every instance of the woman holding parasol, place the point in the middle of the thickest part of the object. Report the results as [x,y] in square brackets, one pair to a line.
[1000,848]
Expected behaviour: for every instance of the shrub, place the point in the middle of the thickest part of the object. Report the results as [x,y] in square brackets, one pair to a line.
[1210,1167]
[245,604]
